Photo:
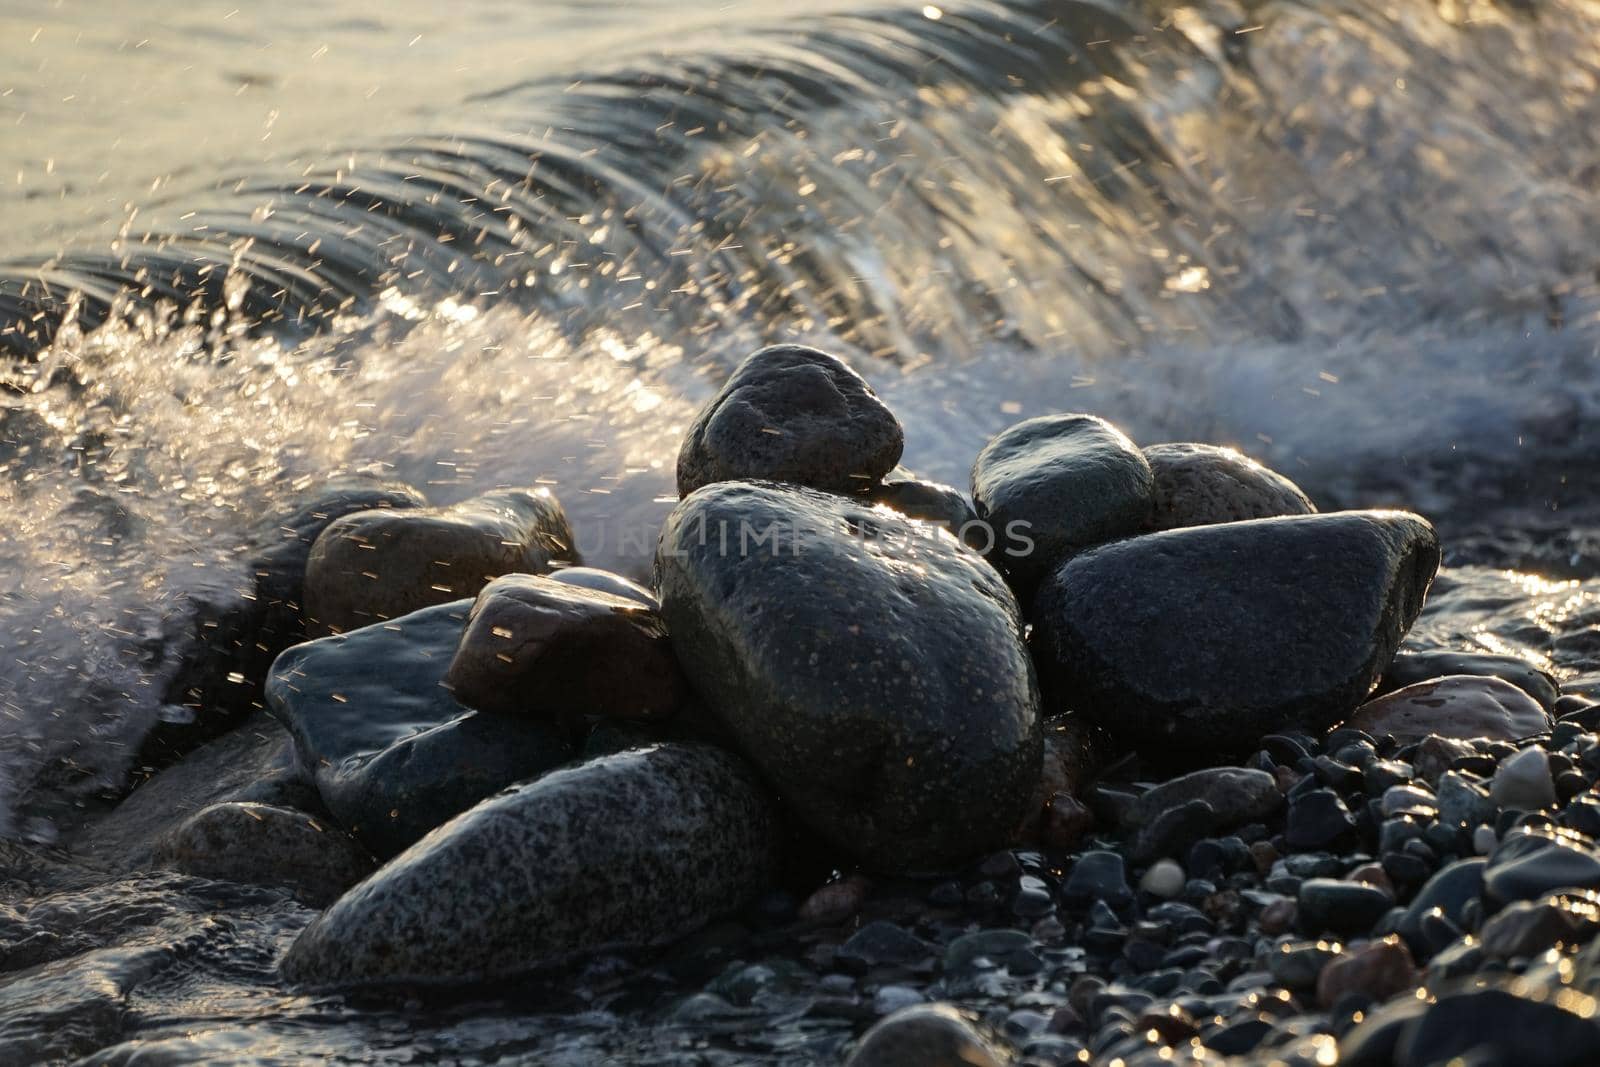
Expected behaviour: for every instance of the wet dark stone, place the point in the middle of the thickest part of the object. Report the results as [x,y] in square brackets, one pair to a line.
[1296,638]
[942,505]
[924,1035]
[392,752]
[1513,1024]
[553,650]
[878,943]
[1197,484]
[1238,1038]
[1343,908]
[1063,482]
[790,413]
[1527,928]
[654,842]
[1098,876]
[371,566]
[1450,891]
[1318,820]
[1528,865]
[831,665]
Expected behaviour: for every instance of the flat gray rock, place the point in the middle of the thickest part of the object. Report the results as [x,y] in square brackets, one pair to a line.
[1196,485]
[392,752]
[1410,667]
[1460,706]
[790,413]
[370,566]
[871,667]
[1210,637]
[1052,486]
[628,850]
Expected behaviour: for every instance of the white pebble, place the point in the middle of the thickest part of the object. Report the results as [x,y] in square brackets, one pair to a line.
[1164,879]
[1484,839]
[1522,781]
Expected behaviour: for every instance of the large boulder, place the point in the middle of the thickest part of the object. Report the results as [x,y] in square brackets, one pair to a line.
[628,850]
[553,649]
[1209,637]
[1424,665]
[1459,705]
[1054,485]
[1196,485]
[872,667]
[792,414]
[376,565]
[393,753]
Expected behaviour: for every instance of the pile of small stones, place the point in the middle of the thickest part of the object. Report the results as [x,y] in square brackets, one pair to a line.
[1119,760]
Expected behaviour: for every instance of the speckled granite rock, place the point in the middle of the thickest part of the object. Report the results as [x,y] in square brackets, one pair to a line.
[627,850]
[554,650]
[375,565]
[1200,484]
[1212,636]
[1455,706]
[1051,486]
[259,844]
[792,414]
[874,672]
[392,752]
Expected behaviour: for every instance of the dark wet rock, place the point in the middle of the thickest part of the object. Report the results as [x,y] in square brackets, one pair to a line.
[1297,618]
[1528,927]
[601,581]
[933,502]
[1516,1022]
[1234,796]
[392,752]
[879,943]
[1376,970]
[1071,748]
[1173,831]
[1373,1042]
[259,844]
[554,650]
[1435,755]
[790,413]
[1458,706]
[1318,819]
[1410,667]
[835,902]
[370,566]
[253,762]
[1051,486]
[1523,781]
[1098,875]
[925,1035]
[876,679]
[1295,965]
[1462,802]
[1449,892]
[1327,905]
[1066,820]
[235,632]
[1196,485]
[628,850]
[1529,864]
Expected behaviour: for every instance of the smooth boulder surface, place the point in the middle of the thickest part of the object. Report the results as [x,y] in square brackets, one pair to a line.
[1196,485]
[924,1035]
[1459,706]
[628,850]
[942,505]
[1051,486]
[790,413]
[605,582]
[555,650]
[393,753]
[376,565]
[1211,637]
[872,668]
[260,844]
[1410,667]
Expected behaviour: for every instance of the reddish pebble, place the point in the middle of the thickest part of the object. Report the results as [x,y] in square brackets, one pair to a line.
[1378,969]
[1277,917]
[835,902]
[1066,821]
[1372,874]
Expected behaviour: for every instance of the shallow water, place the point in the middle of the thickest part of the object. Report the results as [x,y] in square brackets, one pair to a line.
[1354,240]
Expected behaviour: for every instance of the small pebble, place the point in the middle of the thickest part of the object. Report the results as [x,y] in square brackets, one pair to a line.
[1523,781]
[1164,879]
